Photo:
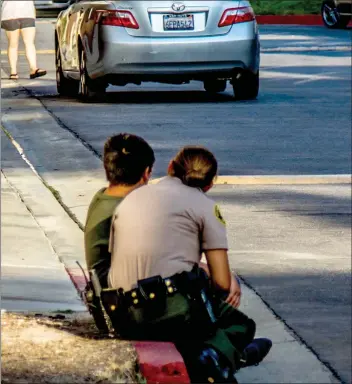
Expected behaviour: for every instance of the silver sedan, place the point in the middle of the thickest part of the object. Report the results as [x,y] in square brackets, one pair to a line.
[121,42]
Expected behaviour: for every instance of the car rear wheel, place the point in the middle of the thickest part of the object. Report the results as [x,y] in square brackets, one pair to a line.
[89,90]
[245,85]
[65,86]
[215,86]
[331,17]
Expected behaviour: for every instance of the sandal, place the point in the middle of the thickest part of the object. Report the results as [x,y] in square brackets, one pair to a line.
[13,76]
[37,73]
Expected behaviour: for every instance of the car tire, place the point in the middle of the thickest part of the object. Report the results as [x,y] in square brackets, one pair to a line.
[245,85]
[89,90]
[331,17]
[65,86]
[215,86]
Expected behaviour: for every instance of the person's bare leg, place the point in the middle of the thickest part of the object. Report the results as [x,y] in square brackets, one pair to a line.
[12,50]
[28,36]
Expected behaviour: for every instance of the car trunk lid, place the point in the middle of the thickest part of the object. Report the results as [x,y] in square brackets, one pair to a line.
[177,19]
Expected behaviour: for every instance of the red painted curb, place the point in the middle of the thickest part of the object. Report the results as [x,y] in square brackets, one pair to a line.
[158,362]
[161,363]
[290,19]
[77,278]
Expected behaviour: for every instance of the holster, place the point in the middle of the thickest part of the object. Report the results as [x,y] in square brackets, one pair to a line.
[195,285]
[93,303]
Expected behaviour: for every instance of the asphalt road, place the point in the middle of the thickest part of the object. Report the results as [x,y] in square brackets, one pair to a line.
[301,123]
[292,244]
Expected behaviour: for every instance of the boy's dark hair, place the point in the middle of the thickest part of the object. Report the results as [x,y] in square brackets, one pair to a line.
[126,157]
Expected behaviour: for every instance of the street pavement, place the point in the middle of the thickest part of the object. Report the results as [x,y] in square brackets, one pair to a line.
[291,244]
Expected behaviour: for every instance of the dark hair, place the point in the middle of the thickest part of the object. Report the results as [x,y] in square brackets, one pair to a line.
[195,166]
[126,157]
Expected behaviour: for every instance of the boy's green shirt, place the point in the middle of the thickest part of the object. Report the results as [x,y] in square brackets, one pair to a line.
[97,233]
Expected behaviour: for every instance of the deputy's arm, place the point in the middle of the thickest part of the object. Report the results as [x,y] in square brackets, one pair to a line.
[218,264]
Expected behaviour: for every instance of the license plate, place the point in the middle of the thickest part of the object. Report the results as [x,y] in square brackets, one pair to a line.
[178,23]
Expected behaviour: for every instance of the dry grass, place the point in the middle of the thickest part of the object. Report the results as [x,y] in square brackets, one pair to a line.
[67,349]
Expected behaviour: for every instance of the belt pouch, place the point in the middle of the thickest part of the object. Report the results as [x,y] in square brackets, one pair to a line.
[114,305]
[154,295]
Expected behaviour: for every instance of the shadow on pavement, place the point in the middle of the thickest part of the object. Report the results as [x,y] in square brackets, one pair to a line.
[314,203]
[144,96]
[317,307]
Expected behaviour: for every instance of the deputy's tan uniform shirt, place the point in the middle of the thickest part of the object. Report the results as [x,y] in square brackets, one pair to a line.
[162,229]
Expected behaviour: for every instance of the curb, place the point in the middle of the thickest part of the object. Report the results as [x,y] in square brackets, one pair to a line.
[77,278]
[308,20]
[279,180]
[284,179]
[312,20]
[159,362]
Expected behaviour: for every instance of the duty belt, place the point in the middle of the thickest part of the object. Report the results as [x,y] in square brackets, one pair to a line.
[150,290]
[150,298]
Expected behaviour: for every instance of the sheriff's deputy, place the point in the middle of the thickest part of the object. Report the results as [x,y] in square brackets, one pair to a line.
[159,233]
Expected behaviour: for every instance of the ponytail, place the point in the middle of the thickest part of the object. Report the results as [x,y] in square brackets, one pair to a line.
[195,166]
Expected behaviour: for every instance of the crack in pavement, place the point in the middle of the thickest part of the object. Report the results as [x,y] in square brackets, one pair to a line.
[53,191]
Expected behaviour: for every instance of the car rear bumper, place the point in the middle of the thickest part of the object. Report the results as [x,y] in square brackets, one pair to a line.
[127,55]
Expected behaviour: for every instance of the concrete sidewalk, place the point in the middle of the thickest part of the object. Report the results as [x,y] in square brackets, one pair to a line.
[32,278]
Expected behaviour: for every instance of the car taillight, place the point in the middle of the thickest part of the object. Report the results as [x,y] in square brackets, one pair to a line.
[117,19]
[236,15]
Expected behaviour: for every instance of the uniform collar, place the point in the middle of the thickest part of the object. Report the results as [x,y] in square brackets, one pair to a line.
[176,181]
[171,180]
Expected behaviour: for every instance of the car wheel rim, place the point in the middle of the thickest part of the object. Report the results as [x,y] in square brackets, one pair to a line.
[329,15]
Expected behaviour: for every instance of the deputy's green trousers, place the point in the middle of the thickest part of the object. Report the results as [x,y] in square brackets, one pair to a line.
[233,332]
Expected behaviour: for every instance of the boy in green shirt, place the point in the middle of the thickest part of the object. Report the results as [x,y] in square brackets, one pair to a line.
[128,163]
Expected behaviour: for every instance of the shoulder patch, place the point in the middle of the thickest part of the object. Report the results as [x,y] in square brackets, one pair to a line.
[218,215]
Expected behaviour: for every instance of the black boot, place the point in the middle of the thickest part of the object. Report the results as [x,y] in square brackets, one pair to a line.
[215,369]
[256,351]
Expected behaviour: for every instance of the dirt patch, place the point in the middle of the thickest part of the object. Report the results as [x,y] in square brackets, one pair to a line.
[60,348]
